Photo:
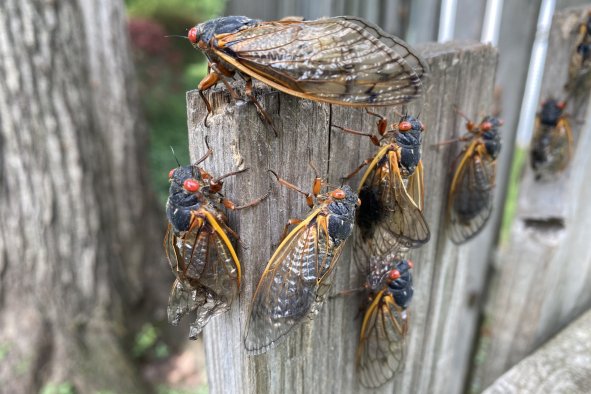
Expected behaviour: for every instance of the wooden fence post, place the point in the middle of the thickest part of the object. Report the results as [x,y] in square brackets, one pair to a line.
[319,356]
[543,272]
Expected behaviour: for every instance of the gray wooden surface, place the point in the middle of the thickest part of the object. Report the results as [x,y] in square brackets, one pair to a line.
[319,356]
[563,365]
[542,275]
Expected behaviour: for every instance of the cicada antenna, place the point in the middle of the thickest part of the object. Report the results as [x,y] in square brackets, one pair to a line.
[174,155]
[176,36]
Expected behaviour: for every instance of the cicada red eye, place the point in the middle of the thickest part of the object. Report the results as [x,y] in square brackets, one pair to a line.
[394,274]
[338,194]
[486,126]
[191,185]
[404,126]
[192,35]
[561,105]
[410,264]
[171,173]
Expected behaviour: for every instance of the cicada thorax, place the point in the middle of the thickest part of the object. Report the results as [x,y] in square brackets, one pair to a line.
[551,145]
[381,349]
[471,191]
[198,247]
[294,284]
[391,191]
[579,71]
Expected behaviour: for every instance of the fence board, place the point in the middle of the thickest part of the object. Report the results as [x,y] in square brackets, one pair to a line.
[563,365]
[319,356]
[544,272]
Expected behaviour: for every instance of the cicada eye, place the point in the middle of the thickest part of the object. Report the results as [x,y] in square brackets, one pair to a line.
[171,173]
[192,35]
[338,194]
[561,105]
[422,126]
[410,264]
[191,185]
[394,274]
[404,126]
[486,126]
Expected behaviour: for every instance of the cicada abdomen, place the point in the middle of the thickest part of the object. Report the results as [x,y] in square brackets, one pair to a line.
[294,284]
[552,142]
[381,349]
[470,198]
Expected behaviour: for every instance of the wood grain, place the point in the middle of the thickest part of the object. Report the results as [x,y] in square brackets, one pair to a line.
[319,356]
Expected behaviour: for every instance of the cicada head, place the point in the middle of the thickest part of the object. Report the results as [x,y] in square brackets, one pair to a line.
[202,35]
[551,112]
[184,196]
[489,127]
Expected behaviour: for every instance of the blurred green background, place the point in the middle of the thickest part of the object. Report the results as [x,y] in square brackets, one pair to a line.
[167,67]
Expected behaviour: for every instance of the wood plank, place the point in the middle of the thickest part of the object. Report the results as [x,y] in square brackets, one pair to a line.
[542,274]
[319,356]
[563,365]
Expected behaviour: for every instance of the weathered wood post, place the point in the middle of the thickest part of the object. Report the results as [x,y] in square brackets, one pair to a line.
[543,271]
[319,356]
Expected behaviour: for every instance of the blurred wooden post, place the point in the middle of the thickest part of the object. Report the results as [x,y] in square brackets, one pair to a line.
[543,273]
[560,366]
[319,356]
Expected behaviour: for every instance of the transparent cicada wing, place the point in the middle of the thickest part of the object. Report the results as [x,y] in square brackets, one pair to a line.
[207,271]
[381,349]
[340,60]
[416,186]
[397,220]
[293,285]
[470,197]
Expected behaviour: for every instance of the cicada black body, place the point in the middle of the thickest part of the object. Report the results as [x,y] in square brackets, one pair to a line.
[198,247]
[381,349]
[341,60]
[391,191]
[296,279]
[552,143]
[470,195]
[579,70]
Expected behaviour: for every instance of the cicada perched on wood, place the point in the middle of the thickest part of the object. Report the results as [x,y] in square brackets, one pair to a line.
[470,198]
[198,247]
[579,70]
[295,281]
[341,60]
[552,143]
[391,190]
[381,349]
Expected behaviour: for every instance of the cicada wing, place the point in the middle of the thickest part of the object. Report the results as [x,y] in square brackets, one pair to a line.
[207,271]
[293,285]
[340,60]
[471,194]
[562,145]
[381,349]
[416,186]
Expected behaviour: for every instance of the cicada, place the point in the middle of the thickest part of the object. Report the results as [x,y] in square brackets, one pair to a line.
[295,281]
[381,349]
[341,60]
[391,190]
[198,247]
[470,198]
[552,143]
[579,70]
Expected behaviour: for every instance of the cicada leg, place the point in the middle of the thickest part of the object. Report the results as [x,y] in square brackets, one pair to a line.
[359,168]
[232,206]
[373,138]
[265,118]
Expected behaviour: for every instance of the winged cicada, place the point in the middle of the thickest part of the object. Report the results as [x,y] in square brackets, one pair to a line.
[470,197]
[295,281]
[341,60]
[579,70]
[391,190]
[552,143]
[381,349]
[198,247]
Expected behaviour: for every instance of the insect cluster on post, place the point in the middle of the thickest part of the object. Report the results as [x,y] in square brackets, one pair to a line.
[343,61]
